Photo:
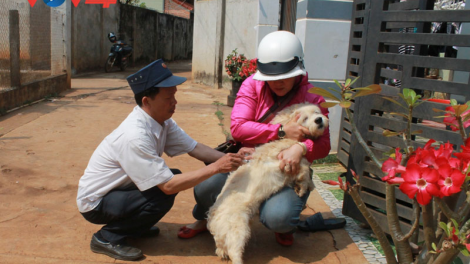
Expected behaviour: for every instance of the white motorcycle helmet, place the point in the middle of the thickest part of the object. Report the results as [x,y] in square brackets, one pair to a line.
[280,56]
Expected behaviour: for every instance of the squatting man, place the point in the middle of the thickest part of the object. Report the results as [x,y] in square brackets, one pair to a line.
[127,186]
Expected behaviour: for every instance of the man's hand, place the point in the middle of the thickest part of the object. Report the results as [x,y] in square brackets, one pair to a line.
[295,131]
[290,159]
[229,162]
[246,153]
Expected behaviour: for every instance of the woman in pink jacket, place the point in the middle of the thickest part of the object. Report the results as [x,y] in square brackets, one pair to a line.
[280,77]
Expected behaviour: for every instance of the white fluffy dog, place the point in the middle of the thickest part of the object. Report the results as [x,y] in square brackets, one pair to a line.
[254,182]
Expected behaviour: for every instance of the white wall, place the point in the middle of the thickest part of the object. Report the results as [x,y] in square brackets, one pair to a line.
[204,40]
[240,32]
[323,27]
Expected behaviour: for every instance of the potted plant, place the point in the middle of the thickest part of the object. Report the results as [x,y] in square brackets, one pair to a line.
[427,175]
[238,68]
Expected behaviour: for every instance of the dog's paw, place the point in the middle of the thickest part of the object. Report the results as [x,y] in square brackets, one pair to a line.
[221,254]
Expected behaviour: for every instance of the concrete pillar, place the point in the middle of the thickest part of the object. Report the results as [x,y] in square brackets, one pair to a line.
[219,44]
[323,27]
[68,40]
[134,32]
[40,35]
[15,48]
[268,19]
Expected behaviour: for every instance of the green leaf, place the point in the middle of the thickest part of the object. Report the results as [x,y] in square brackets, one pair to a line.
[418,104]
[402,97]
[409,93]
[437,110]
[345,104]
[339,84]
[323,92]
[434,246]
[388,133]
[347,95]
[466,118]
[459,109]
[456,225]
[400,114]
[453,102]
[395,102]
[444,227]
[333,90]
[457,260]
[360,88]
[348,81]
[432,252]
[328,104]
[374,89]
[357,78]
[465,252]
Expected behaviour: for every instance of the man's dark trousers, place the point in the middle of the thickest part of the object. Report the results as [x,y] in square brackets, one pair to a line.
[130,212]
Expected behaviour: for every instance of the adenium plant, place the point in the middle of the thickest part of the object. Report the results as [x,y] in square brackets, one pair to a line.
[238,67]
[432,175]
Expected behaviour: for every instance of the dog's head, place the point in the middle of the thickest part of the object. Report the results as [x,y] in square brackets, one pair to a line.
[312,118]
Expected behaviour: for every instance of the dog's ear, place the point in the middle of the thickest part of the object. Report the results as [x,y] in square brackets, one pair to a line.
[297,112]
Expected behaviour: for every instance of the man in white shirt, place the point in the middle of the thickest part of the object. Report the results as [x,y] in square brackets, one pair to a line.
[127,187]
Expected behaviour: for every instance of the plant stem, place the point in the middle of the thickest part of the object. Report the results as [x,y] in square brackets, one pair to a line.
[465,227]
[429,228]
[361,140]
[408,129]
[387,248]
[402,245]
[416,210]
[463,134]
[447,256]
[445,209]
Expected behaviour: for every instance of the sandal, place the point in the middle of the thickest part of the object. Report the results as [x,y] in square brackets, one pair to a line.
[285,239]
[186,232]
[316,222]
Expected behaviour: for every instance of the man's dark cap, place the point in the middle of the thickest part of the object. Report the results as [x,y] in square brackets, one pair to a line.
[156,74]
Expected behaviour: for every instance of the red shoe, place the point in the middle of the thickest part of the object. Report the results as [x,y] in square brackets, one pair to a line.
[285,239]
[186,232]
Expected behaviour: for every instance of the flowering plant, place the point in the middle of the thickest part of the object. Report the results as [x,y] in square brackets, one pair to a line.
[238,67]
[425,175]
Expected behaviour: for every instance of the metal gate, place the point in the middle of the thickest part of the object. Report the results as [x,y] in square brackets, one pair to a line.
[401,44]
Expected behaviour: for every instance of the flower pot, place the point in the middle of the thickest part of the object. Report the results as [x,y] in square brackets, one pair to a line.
[233,93]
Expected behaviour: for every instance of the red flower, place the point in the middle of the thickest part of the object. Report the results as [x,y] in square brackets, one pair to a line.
[451,120]
[420,182]
[330,182]
[450,181]
[468,245]
[392,166]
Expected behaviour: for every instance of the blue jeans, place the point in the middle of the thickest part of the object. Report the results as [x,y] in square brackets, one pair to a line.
[279,213]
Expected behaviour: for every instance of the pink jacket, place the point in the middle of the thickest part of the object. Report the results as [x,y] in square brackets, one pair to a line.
[254,99]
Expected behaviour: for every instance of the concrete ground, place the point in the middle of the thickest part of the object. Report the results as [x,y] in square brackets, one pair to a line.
[45,147]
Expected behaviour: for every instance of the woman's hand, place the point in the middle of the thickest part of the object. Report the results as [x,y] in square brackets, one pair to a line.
[295,131]
[290,159]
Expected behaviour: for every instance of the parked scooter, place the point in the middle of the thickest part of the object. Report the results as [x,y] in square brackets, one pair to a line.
[119,54]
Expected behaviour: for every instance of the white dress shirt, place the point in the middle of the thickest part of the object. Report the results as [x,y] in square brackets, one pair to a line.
[132,154]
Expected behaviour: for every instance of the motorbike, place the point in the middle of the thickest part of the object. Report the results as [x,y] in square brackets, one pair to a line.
[118,55]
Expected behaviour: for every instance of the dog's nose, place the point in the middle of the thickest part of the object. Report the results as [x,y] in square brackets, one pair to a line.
[318,120]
